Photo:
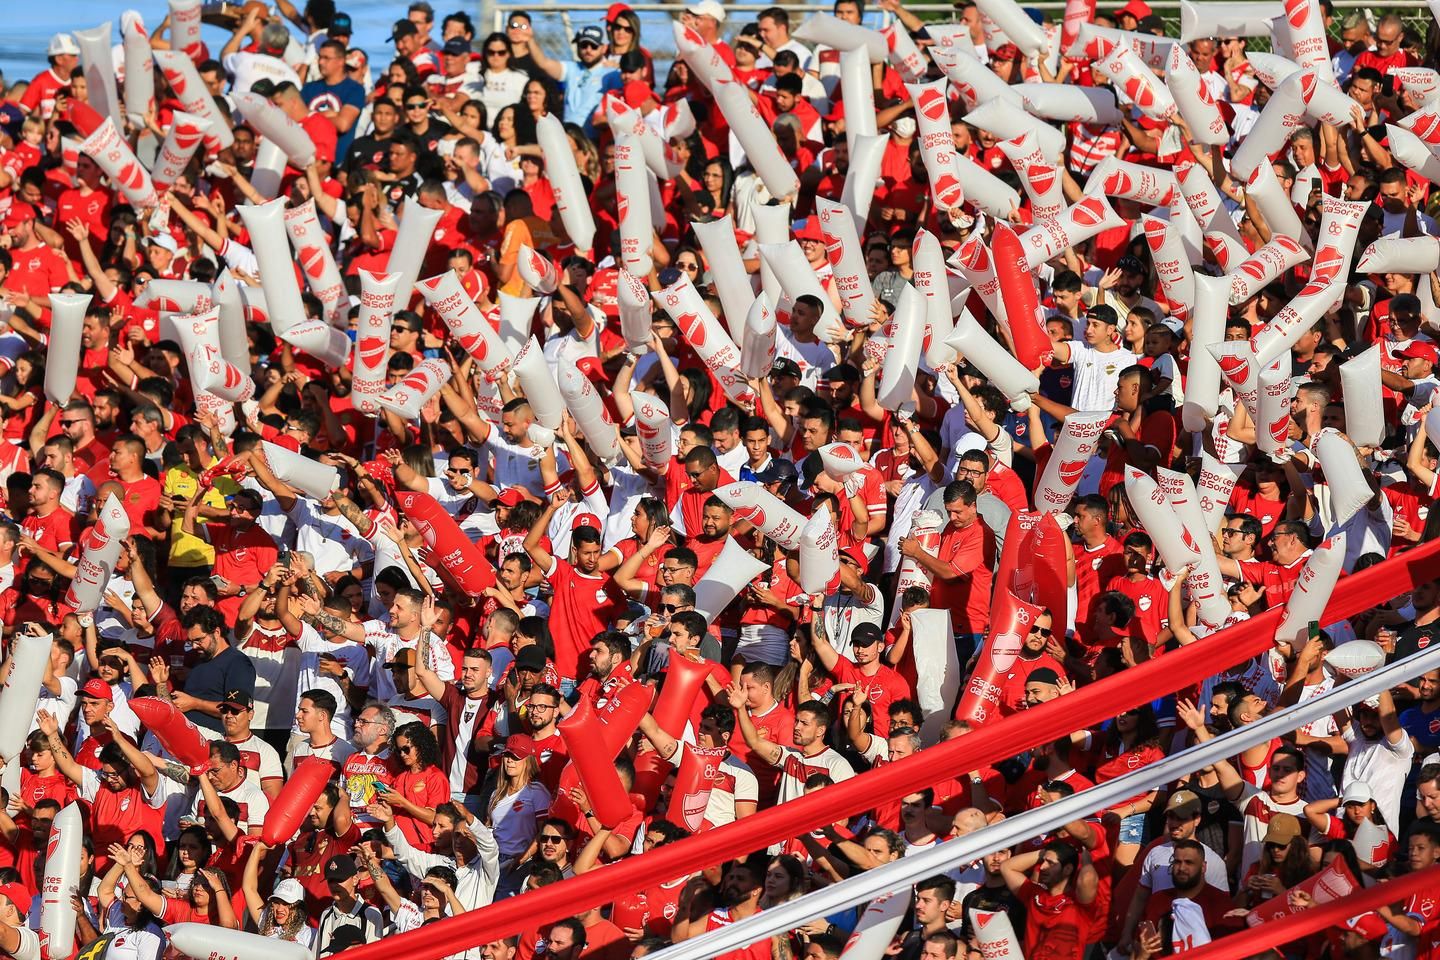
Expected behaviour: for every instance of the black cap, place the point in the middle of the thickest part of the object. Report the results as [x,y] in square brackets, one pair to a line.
[340,867]
[1044,675]
[1104,313]
[238,698]
[340,26]
[531,659]
[864,634]
[779,471]
[264,87]
[456,46]
[842,373]
[785,367]
[403,28]
[1128,264]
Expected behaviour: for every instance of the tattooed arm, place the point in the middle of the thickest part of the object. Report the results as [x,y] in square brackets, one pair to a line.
[351,511]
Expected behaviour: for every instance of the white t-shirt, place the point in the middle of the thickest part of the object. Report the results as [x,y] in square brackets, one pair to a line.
[796,768]
[332,541]
[844,611]
[736,782]
[1155,870]
[252,801]
[335,751]
[454,502]
[246,68]
[517,466]
[386,645]
[357,663]
[1096,375]
[1380,764]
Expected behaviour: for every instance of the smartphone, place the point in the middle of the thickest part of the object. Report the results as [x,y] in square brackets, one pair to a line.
[381,787]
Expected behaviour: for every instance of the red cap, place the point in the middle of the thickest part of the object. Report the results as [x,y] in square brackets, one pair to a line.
[474,284]
[1138,9]
[856,555]
[18,895]
[1008,51]
[810,230]
[585,520]
[837,110]
[637,93]
[19,213]
[1420,350]
[1368,925]
[510,497]
[98,689]
[520,745]
[615,10]
[381,470]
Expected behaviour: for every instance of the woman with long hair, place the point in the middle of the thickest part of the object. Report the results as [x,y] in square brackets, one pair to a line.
[784,880]
[536,101]
[520,800]
[420,786]
[623,31]
[206,901]
[650,515]
[190,852]
[503,84]
[1284,861]
[1359,822]
[1131,742]
[280,916]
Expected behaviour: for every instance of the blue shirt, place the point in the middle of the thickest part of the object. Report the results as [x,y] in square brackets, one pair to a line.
[346,93]
[584,90]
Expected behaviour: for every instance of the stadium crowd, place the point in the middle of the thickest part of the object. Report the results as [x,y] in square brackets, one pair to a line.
[291,625]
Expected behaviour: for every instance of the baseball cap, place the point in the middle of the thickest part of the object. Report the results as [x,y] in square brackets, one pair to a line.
[20,212]
[585,520]
[1128,264]
[1284,827]
[238,698]
[530,659]
[164,241]
[1104,313]
[61,44]
[1184,804]
[18,895]
[1357,792]
[1420,350]
[785,367]
[520,745]
[510,497]
[864,634]
[97,689]
[707,8]
[841,373]
[1006,51]
[340,26]
[637,93]
[590,34]
[288,891]
[402,28]
[1134,8]
[1174,326]
[855,553]
[341,866]
[779,471]
[456,47]
[615,10]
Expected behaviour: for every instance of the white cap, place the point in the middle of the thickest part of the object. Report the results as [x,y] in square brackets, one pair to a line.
[165,242]
[1174,326]
[63,43]
[1357,792]
[288,891]
[708,8]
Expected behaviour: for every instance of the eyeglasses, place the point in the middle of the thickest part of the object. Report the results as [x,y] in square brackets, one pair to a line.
[498,52]
[1041,631]
[544,706]
[71,423]
[366,723]
[551,838]
[517,24]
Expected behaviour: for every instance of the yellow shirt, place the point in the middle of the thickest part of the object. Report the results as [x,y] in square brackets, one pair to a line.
[182,481]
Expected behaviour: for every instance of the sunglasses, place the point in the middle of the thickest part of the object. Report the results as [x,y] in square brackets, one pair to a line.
[498,52]
[587,45]
[669,608]
[1041,631]
[417,105]
[231,711]
[551,838]
[70,423]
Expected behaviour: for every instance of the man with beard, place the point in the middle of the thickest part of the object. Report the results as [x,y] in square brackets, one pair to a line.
[329,830]
[1059,891]
[1188,859]
[740,887]
[368,772]
[1040,649]
[470,716]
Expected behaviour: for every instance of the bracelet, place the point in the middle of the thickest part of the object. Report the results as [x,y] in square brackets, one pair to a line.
[588,814]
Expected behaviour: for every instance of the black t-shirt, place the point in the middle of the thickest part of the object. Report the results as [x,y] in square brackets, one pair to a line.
[366,151]
[229,670]
[1412,638]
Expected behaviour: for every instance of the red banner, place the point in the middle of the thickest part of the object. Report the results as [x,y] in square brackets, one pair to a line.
[1256,940]
[1006,738]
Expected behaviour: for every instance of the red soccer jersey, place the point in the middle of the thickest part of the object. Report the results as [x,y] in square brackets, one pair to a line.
[583,605]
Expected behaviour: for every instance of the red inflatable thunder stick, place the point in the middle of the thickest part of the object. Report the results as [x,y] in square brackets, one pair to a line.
[684,679]
[1010,623]
[582,730]
[1336,914]
[450,549]
[293,802]
[176,733]
[1019,300]
[1005,738]
[619,715]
